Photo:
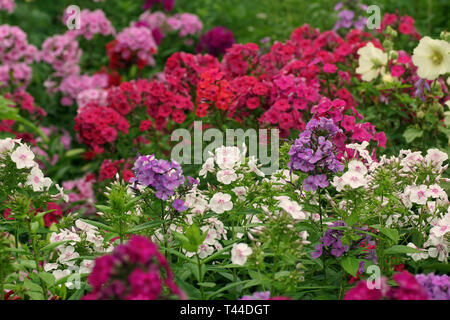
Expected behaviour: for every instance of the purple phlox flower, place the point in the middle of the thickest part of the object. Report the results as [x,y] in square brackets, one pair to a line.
[263,295]
[179,205]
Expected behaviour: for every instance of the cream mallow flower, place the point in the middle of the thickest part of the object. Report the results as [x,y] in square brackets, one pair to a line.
[371,62]
[432,58]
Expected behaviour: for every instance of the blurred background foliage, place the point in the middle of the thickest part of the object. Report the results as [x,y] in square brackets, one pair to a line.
[250,20]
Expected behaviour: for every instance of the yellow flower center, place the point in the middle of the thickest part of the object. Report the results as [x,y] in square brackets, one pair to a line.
[437,57]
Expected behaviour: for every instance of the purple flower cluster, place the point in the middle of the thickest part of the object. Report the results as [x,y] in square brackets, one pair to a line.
[132,272]
[421,86]
[164,176]
[332,238]
[436,286]
[263,295]
[216,41]
[346,18]
[314,151]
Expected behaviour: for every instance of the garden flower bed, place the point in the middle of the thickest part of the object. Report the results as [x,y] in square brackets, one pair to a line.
[157,159]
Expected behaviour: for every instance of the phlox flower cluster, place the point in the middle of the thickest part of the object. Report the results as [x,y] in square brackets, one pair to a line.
[92,23]
[111,168]
[97,126]
[133,45]
[7,5]
[186,24]
[436,286]
[83,238]
[16,55]
[314,152]
[404,24]
[215,232]
[347,18]
[134,271]
[263,295]
[81,190]
[216,41]
[408,289]
[162,175]
[24,158]
[63,54]
[73,87]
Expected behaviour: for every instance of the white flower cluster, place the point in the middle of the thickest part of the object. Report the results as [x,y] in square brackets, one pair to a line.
[215,232]
[229,161]
[23,157]
[438,244]
[66,262]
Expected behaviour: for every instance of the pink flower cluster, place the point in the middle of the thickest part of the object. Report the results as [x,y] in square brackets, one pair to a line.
[75,84]
[91,95]
[80,190]
[136,42]
[62,53]
[15,57]
[134,271]
[408,288]
[186,24]
[7,5]
[92,23]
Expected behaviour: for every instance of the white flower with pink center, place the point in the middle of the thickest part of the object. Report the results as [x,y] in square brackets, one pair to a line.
[221,202]
[226,176]
[338,183]
[37,180]
[208,166]
[354,179]
[357,166]
[442,227]
[435,157]
[23,157]
[435,191]
[240,252]
[228,157]
[419,194]
[292,207]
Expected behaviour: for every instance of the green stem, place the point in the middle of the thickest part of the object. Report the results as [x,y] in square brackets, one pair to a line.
[200,278]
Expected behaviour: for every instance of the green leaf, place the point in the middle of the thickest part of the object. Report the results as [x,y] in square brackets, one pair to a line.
[144,226]
[411,134]
[207,284]
[231,285]
[53,245]
[98,224]
[78,294]
[35,295]
[390,233]
[31,286]
[351,265]
[401,249]
[48,278]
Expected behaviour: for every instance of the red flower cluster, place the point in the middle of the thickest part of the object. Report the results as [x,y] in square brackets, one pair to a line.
[97,125]
[49,218]
[109,169]
[404,24]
